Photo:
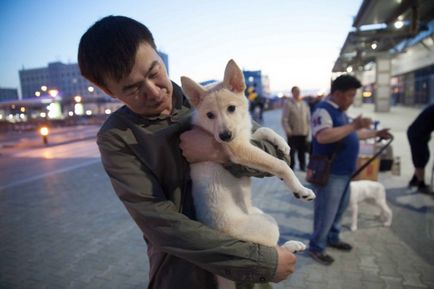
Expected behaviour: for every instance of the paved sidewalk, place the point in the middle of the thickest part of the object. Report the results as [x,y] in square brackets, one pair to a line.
[19,140]
[69,230]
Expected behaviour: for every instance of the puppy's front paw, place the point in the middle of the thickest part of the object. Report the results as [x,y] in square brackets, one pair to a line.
[305,194]
[283,146]
[294,246]
[353,228]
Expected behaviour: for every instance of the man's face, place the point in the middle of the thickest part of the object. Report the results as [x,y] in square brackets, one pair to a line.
[346,98]
[147,90]
[296,93]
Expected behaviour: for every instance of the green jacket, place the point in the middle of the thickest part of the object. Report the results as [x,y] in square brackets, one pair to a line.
[151,177]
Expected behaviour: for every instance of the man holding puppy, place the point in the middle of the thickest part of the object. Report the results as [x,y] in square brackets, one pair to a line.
[337,138]
[140,146]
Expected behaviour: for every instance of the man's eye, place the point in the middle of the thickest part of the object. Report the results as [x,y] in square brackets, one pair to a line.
[210,115]
[153,75]
[231,108]
[133,92]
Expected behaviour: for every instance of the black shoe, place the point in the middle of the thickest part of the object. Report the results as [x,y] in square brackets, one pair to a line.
[424,189]
[413,182]
[321,258]
[341,246]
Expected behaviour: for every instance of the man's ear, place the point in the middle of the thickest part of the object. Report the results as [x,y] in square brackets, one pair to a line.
[192,90]
[234,78]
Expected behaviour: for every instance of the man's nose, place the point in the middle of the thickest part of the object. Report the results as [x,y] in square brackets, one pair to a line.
[152,92]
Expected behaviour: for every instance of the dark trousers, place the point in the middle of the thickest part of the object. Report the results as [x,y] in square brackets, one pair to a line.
[298,144]
[419,146]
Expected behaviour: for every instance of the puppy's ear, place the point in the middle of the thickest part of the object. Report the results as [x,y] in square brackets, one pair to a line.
[192,90]
[234,78]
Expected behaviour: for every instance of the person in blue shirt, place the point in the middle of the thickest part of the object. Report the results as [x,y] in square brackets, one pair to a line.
[333,132]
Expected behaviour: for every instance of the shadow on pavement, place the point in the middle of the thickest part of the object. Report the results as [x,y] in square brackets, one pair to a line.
[414,220]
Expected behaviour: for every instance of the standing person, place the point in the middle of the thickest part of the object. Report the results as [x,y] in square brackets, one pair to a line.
[334,134]
[419,135]
[295,122]
[140,146]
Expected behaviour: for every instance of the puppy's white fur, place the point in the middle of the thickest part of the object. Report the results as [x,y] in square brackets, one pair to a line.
[364,190]
[223,201]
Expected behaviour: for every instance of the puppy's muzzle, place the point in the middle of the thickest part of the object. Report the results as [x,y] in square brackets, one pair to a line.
[225,136]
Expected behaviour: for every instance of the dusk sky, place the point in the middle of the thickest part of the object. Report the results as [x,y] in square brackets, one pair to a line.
[293,42]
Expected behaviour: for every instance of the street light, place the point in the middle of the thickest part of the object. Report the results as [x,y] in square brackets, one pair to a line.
[53,92]
[44,133]
[77,98]
[398,24]
[78,106]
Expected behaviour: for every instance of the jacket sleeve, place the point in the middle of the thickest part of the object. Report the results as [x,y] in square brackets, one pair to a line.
[285,119]
[308,118]
[170,231]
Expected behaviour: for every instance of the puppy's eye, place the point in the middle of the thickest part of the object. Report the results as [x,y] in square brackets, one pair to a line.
[210,115]
[231,108]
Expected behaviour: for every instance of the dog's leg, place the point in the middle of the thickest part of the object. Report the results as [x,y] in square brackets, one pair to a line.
[265,133]
[248,155]
[386,212]
[380,201]
[294,246]
[354,216]
[258,228]
[255,210]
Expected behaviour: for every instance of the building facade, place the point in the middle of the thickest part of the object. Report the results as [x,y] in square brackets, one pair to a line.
[63,80]
[391,50]
[259,81]
[7,94]
[57,79]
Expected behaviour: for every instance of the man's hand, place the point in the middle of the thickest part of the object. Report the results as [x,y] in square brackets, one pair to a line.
[198,145]
[361,122]
[285,264]
[383,134]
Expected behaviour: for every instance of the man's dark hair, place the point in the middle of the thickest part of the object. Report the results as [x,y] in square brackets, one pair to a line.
[344,83]
[294,88]
[108,48]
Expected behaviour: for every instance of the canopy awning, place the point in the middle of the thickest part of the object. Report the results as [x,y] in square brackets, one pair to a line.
[375,31]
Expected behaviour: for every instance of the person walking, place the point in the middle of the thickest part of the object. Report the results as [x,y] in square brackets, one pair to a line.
[295,122]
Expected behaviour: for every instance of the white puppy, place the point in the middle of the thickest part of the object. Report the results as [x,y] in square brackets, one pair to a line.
[363,190]
[223,201]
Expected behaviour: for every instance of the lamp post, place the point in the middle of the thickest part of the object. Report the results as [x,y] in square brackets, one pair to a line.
[44,133]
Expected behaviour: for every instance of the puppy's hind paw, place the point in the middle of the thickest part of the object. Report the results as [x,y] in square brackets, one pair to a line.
[294,246]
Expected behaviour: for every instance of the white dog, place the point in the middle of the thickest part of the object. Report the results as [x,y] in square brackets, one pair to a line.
[223,201]
[363,190]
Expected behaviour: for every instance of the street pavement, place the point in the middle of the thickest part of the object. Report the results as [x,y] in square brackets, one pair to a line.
[13,141]
[67,229]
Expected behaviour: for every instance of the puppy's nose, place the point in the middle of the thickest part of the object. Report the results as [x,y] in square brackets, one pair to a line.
[225,136]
